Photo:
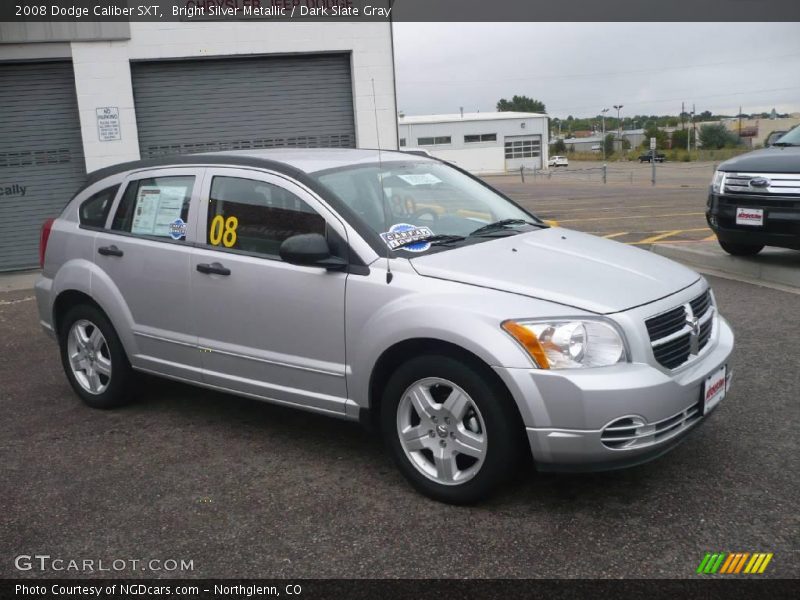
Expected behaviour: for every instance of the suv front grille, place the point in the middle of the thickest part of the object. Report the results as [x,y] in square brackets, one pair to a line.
[777,184]
[681,333]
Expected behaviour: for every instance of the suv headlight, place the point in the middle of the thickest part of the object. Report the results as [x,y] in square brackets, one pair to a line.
[718,181]
[568,344]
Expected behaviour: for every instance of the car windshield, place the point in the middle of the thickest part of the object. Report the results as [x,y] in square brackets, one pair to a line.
[402,201]
[790,139]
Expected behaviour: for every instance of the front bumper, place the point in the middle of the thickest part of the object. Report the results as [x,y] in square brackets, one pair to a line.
[566,412]
[781,220]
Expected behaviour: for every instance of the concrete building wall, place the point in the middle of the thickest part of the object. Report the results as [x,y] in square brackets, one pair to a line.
[103,76]
[477,157]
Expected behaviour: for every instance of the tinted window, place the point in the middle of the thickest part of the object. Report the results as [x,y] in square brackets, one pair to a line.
[156,206]
[255,216]
[94,211]
[483,137]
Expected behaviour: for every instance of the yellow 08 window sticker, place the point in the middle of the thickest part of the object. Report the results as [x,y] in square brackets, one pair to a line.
[223,231]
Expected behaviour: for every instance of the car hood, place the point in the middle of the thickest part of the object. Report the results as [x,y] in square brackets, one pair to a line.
[775,159]
[563,266]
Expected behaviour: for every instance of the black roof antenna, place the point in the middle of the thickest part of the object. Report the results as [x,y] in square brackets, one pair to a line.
[389,275]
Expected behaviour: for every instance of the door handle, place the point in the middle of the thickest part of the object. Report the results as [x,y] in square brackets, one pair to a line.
[213,269]
[111,250]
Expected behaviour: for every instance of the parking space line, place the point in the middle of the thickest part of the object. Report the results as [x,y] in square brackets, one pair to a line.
[692,214]
[611,236]
[660,236]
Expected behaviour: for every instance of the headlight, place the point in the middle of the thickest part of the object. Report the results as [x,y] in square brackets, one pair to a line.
[565,344]
[717,181]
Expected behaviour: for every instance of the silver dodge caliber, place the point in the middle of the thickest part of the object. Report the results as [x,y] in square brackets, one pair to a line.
[388,288]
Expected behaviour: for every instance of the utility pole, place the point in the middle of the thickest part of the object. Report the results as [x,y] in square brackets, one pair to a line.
[683,112]
[603,143]
[694,128]
[689,135]
[619,123]
[740,124]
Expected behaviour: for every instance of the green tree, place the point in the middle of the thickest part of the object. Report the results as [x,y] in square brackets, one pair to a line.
[558,147]
[521,104]
[652,131]
[608,142]
[717,136]
[680,137]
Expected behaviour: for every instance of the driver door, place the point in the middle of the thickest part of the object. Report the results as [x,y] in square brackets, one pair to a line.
[267,328]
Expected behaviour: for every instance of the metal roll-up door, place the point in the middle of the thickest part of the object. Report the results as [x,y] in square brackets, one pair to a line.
[41,154]
[209,105]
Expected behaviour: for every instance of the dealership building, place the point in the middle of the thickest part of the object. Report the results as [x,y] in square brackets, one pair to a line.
[491,142]
[75,97]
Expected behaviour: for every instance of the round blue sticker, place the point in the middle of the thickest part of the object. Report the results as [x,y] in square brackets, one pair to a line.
[411,232]
[177,229]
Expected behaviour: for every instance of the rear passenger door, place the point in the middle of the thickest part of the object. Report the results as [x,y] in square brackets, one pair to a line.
[266,327]
[144,256]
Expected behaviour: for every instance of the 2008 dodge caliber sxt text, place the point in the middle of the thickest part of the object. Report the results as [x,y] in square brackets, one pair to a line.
[392,288]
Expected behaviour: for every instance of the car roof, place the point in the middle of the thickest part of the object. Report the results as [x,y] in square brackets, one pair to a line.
[292,161]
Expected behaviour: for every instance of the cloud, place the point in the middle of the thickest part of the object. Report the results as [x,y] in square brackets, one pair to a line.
[579,68]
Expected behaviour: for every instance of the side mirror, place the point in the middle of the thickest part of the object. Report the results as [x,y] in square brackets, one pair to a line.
[310,250]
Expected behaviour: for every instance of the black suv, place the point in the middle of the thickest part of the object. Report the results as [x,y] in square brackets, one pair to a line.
[754,200]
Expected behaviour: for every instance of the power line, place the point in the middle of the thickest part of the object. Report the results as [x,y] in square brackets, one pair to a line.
[670,100]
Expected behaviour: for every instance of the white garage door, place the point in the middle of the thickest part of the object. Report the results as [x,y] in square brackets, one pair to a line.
[41,154]
[210,105]
[523,151]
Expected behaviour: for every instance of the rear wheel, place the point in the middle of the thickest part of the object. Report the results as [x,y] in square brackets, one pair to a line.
[735,249]
[93,358]
[453,433]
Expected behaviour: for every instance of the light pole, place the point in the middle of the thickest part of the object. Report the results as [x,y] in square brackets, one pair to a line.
[619,124]
[603,141]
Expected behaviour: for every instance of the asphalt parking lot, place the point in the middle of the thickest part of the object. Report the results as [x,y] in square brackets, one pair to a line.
[245,489]
[628,208]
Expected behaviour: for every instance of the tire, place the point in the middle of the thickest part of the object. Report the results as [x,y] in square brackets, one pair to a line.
[99,371]
[484,422]
[735,249]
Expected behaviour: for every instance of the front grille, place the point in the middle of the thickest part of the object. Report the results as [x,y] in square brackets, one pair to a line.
[675,353]
[635,432]
[666,324]
[780,184]
[760,201]
[705,333]
[675,337]
[700,304]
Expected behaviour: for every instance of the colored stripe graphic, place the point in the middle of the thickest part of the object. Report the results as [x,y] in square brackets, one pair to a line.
[734,563]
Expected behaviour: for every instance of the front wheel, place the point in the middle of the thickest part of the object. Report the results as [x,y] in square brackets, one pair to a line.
[735,249]
[93,358]
[452,431]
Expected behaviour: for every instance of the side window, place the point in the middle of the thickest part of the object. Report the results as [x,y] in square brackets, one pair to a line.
[255,216]
[94,210]
[156,206]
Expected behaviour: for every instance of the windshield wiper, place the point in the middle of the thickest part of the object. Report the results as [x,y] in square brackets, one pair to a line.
[502,224]
[434,240]
[785,144]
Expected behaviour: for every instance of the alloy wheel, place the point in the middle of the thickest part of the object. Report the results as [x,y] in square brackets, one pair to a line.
[441,431]
[89,357]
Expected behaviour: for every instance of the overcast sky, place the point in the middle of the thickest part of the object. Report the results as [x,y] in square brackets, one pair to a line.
[579,68]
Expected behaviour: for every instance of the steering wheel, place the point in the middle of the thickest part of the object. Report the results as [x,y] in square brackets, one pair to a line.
[416,216]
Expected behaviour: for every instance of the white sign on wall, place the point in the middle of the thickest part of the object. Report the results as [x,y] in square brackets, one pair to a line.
[108,129]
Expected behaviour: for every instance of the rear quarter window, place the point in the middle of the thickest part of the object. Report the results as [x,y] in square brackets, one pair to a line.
[93,211]
[156,207]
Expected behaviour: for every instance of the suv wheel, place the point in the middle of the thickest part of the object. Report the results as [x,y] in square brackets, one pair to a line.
[741,249]
[93,358]
[453,434]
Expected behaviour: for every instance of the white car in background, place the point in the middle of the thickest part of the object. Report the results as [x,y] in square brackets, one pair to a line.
[558,161]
